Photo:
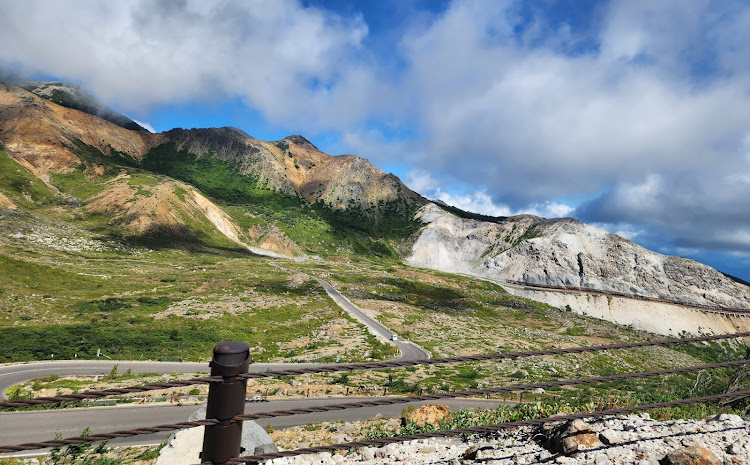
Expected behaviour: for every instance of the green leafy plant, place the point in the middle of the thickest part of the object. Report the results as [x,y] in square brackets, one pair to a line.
[84,453]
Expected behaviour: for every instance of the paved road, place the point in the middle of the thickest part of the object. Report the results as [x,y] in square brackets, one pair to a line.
[409,350]
[19,373]
[22,427]
[42,425]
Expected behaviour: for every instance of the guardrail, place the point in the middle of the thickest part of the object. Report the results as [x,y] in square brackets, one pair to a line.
[229,375]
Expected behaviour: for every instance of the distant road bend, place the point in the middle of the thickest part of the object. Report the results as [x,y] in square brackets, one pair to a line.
[409,350]
[41,425]
[19,373]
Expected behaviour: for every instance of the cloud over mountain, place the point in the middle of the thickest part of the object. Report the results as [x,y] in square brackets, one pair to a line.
[638,110]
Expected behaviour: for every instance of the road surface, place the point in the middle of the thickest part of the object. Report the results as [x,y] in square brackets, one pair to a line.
[19,373]
[34,426]
[409,350]
[20,427]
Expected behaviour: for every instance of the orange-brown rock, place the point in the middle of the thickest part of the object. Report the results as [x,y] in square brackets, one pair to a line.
[428,413]
[692,455]
[5,202]
[159,209]
[273,239]
[38,134]
[575,436]
[296,167]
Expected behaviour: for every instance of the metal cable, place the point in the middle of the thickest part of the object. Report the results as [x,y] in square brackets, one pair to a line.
[388,401]
[108,392]
[482,429]
[483,357]
[106,436]
[365,366]
[480,392]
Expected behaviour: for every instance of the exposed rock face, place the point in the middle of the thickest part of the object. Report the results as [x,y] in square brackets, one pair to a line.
[251,155]
[296,167]
[165,208]
[273,239]
[38,134]
[5,202]
[566,253]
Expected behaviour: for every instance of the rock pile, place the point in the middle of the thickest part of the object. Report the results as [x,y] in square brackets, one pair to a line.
[635,439]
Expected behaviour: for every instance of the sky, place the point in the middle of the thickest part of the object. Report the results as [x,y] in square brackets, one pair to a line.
[631,115]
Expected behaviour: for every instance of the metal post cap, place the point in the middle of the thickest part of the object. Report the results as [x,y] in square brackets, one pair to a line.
[231,348]
[231,353]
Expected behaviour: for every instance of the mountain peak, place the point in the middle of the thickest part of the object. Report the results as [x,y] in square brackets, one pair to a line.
[299,140]
[71,96]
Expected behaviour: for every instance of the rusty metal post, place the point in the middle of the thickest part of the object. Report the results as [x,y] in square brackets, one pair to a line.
[226,399]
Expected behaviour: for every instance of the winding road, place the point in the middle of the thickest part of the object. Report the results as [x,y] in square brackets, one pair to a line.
[409,350]
[33,426]
[18,427]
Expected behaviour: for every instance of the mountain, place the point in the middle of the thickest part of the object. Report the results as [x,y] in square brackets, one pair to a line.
[286,195]
[296,167]
[48,139]
[565,253]
[72,96]
[223,188]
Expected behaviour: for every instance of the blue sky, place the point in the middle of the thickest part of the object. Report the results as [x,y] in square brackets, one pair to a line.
[632,115]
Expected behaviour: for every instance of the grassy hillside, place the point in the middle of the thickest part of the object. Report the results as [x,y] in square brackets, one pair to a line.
[317,228]
[22,187]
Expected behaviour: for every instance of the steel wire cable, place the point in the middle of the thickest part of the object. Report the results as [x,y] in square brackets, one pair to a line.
[388,401]
[480,392]
[108,392]
[365,366]
[484,357]
[106,436]
[482,429]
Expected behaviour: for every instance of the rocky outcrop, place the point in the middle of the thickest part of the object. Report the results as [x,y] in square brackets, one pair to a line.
[428,413]
[296,167]
[252,156]
[566,253]
[40,135]
[5,202]
[610,440]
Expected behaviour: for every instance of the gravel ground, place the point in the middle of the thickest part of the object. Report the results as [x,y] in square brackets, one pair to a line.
[634,439]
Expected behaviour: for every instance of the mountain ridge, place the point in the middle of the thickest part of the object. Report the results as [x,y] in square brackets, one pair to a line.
[567,253]
[289,195]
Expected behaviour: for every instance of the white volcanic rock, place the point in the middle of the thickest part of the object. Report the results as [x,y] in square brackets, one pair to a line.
[566,253]
[635,439]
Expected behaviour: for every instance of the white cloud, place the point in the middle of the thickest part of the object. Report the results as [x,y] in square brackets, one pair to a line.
[478,201]
[288,61]
[548,209]
[144,125]
[687,251]
[656,115]
[420,181]
[625,230]
[655,112]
